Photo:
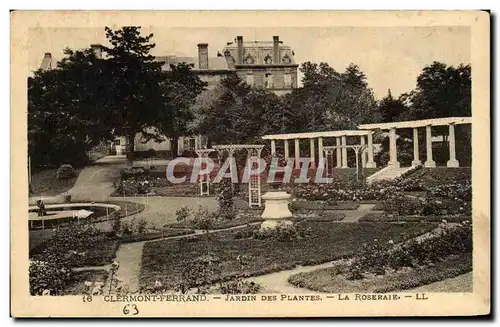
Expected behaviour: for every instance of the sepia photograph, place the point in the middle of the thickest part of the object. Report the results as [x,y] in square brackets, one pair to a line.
[181,166]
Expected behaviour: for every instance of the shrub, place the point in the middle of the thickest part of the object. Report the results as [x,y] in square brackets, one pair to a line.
[379,258]
[225,199]
[282,233]
[65,172]
[132,172]
[48,278]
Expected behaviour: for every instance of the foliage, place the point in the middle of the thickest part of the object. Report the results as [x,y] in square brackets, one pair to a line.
[75,246]
[378,258]
[282,233]
[48,278]
[225,198]
[65,172]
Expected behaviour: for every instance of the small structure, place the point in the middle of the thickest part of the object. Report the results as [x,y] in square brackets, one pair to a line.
[204,179]
[254,184]
[276,211]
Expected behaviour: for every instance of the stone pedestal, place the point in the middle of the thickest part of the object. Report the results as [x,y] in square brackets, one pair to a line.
[276,210]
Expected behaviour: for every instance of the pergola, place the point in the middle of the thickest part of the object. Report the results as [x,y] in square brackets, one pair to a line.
[416,124]
[340,147]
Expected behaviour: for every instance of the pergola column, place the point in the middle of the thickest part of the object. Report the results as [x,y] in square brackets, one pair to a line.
[320,151]
[273,148]
[339,155]
[363,152]
[453,162]
[297,154]
[312,154]
[393,152]
[344,152]
[371,163]
[428,140]
[287,150]
[416,156]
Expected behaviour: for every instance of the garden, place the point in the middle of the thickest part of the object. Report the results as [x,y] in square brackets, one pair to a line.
[391,266]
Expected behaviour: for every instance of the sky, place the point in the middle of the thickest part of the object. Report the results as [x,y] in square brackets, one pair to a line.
[391,57]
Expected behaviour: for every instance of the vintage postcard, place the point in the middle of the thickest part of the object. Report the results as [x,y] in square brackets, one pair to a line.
[250,164]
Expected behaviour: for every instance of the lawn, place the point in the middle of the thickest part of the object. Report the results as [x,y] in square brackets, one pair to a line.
[164,260]
[328,280]
[441,175]
[165,232]
[45,183]
[383,217]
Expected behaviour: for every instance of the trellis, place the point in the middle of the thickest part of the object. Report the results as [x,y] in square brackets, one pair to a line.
[204,180]
[253,152]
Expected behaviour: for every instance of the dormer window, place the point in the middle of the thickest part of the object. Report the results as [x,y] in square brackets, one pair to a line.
[286,59]
[268,60]
[249,60]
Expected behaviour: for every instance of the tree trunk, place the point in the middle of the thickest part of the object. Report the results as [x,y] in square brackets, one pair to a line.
[130,149]
[175,146]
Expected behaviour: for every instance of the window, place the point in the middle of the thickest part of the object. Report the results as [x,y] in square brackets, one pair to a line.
[117,142]
[250,79]
[288,80]
[269,81]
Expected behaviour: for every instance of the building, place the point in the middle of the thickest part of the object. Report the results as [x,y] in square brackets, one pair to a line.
[264,64]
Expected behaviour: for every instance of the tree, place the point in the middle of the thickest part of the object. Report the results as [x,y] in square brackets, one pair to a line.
[231,112]
[67,109]
[137,94]
[181,87]
[391,109]
[331,100]
[442,91]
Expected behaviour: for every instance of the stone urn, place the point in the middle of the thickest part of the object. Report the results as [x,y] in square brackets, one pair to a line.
[276,210]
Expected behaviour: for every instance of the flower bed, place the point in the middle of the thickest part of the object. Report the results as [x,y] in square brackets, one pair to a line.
[76,285]
[329,280]
[77,246]
[383,217]
[326,242]
[389,259]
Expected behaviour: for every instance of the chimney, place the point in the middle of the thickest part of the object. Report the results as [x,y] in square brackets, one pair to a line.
[276,49]
[239,40]
[229,59]
[97,48]
[202,55]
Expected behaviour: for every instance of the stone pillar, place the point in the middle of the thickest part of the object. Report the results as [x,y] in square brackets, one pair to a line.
[273,148]
[416,157]
[370,163]
[363,152]
[393,151]
[338,151]
[287,150]
[297,154]
[453,162]
[428,140]
[320,151]
[344,152]
[312,154]
[180,144]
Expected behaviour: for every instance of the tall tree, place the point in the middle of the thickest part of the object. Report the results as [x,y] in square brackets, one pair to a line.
[136,84]
[67,108]
[390,108]
[442,91]
[181,87]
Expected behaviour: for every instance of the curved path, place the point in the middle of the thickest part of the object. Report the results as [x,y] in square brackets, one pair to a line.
[95,182]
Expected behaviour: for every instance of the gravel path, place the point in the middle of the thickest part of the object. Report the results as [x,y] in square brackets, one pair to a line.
[352,216]
[130,258]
